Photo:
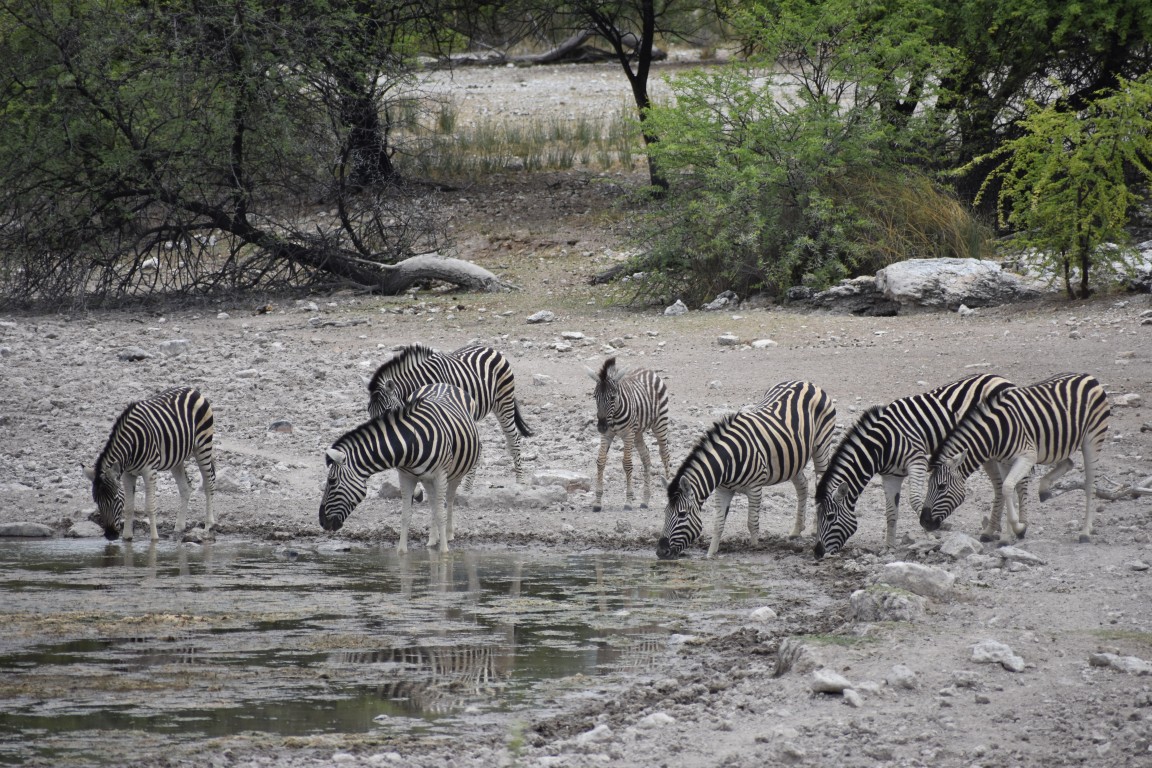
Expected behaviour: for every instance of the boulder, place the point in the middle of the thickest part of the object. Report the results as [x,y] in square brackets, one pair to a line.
[925,284]
[566,478]
[676,309]
[25,531]
[925,580]
[883,603]
[858,296]
[84,529]
[993,652]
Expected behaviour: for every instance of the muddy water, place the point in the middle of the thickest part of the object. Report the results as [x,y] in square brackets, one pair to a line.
[172,641]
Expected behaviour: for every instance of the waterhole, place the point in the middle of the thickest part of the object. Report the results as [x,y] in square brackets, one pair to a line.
[174,641]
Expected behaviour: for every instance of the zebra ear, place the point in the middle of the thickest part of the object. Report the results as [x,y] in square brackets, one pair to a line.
[954,462]
[616,373]
[592,374]
[89,472]
[840,493]
[337,456]
[366,379]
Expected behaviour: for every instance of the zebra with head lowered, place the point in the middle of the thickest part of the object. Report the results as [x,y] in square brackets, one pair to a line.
[629,403]
[431,439]
[895,441]
[1018,428]
[482,372]
[157,434]
[741,453]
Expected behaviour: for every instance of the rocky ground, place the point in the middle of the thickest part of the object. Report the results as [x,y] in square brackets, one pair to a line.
[1071,686]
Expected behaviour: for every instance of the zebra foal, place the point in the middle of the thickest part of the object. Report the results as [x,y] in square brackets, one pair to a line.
[1018,428]
[431,439]
[895,441]
[482,372]
[628,404]
[741,453]
[159,433]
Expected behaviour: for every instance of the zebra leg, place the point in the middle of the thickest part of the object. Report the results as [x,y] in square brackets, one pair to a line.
[800,483]
[438,503]
[723,501]
[407,487]
[991,529]
[661,433]
[128,480]
[1018,469]
[601,460]
[755,499]
[1059,469]
[629,437]
[208,485]
[180,475]
[512,440]
[469,480]
[1089,452]
[150,501]
[450,504]
[646,463]
[892,485]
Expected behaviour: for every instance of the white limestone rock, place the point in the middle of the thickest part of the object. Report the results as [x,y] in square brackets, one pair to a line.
[993,652]
[926,580]
[1132,665]
[543,316]
[25,531]
[677,309]
[84,529]
[569,480]
[901,676]
[919,284]
[827,681]
[958,546]
[880,603]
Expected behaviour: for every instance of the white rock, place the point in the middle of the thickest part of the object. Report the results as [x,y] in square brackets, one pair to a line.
[84,529]
[827,681]
[543,316]
[1018,555]
[728,340]
[542,380]
[561,346]
[25,530]
[715,384]
[878,603]
[656,720]
[763,613]
[1132,665]
[569,480]
[964,310]
[901,676]
[677,309]
[572,335]
[1130,400]
[853,698]
[993,652]
[763,344]
[959,545]
[921,579]
[222,316]
[917,283]
[173,347]
[248,373]
[600,733]
[133,354]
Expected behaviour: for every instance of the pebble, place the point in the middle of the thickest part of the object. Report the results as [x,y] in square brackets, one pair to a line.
[543,316]
[600,733]
[572,335]
[173,347]
[763,613]
[281,426]
[542,380]
[133,354]
[853,698]
[25,530]
[993,652]
[1016,554]
[656,720]
[827,681]
[925,580]
[763,344]
[901,676]
[677,309]
[728,340]
[1130,400]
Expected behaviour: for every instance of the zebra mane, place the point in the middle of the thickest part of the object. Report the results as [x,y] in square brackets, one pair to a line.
[947,446]
[406,359]
[117,426]
[706,440]
[841,457]
[603,374]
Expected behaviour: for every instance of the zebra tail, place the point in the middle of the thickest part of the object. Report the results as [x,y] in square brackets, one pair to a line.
[521,425]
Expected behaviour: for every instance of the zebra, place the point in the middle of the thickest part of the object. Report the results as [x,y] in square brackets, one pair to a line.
[432,439]
[158,433]
[628,403]
[745,451]
[480,371]
[1020,427]
[895,442]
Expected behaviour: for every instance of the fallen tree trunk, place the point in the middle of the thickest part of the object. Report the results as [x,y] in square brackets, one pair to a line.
[430,266]
[572,50]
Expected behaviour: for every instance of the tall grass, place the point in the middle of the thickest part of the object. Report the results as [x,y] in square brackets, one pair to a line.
[443,146]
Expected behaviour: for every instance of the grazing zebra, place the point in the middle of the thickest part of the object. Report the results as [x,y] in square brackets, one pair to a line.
[895,441]
[157,434]
[480,371]
[432,439]
[628,403]
[1019,428]
[741,453]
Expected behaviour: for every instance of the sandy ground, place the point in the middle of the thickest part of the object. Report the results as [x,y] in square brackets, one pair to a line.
[714,701]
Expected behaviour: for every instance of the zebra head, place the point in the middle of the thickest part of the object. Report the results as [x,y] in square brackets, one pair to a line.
[607,391]
[109,497]
[946,490]
[682,524]
[835,521]
[384,397]
[344,489]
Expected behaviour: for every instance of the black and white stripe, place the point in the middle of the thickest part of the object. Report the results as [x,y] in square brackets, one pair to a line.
[1018,428]
[157,434]
[758,446]
[894,441]
[480,371]
[628,404]
[431,439]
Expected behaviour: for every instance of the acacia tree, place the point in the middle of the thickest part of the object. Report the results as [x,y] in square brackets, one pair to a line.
[1066,184]
[184,147]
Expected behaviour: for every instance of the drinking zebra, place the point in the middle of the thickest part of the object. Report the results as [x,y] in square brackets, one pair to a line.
[480,371]
[629,403]
[895,441]
[159,433]
[1019,428]
[431,439]
[741,453]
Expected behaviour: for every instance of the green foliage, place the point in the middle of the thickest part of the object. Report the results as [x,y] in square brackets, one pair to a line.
[767,163]
[1065,185]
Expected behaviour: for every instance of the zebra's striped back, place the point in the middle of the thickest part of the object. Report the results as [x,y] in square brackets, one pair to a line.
[480,371]
[755,447]
[1045,422]
[156,434]
[433,431]
[896,441]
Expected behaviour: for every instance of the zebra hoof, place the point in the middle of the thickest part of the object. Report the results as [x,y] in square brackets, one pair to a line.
[1020,533]
[985,538]
[627,507]
[643,506]
[1085,538]
[1045,495]
[596,507]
